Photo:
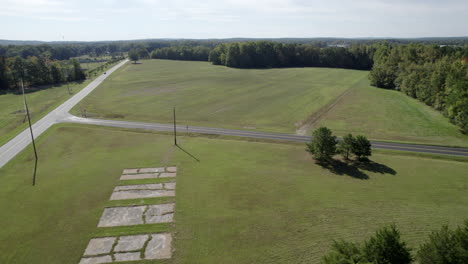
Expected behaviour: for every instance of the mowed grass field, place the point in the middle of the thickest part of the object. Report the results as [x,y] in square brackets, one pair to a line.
[41,102]
[275,100]
[244,202]
[389,115]
[207,95]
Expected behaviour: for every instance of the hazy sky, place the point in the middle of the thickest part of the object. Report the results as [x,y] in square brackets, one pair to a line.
[136,19]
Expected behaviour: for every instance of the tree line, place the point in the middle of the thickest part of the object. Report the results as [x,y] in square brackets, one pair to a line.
[445,246]
[196,53]
[436,76]
[267,54]
[35,71]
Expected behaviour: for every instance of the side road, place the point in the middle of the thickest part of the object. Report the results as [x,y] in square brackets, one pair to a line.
[23,139]
[462,152]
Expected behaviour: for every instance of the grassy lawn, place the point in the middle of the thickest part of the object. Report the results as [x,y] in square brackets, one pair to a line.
[276,100]
[244,202]
[390,115]
[207,95]
[40,103]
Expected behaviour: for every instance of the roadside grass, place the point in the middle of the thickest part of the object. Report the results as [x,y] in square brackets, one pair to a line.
[244,202]
[275,100]
[390,115]
[40,103]
[207,95]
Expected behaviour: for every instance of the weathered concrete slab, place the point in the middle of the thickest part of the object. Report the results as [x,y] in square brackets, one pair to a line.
[171,169]
[139,176]
[130,171]
[98,246]
[170,185]
[167,175]
[122,216]
[152,186]
[159,213]
[159,247]
[127,256]
[96,260]
[131,243]
[137,194]
[151,170]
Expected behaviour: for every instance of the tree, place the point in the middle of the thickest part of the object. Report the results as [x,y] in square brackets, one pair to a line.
[323,144]
[345,146]
[133,55]
[344,252]
[445,247]
[385,247]
[361,147]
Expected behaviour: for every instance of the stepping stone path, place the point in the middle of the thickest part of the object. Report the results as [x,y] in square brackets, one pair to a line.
[128,248]
[137,215]
[135,247]
[148,173]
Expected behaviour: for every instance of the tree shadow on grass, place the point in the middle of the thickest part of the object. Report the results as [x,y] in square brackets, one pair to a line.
[355,168]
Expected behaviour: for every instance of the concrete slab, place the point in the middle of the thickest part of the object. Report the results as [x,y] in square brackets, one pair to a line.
[159,247]
[137,194]
[171,169]
[152,186]
[167,175]
[127,256]
[122,216]
[131,243]
[97,260]
[151,170]
[139,176]
[130,171]
[159,213]
[98,246]
[170,185]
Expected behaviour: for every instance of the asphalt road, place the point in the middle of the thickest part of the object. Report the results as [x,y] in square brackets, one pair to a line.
[463,152]
[23,139]
[60,114]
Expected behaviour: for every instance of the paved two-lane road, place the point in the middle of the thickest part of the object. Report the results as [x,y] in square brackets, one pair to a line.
[463,152]
[21,141]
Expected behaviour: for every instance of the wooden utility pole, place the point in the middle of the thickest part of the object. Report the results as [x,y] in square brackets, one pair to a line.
[32,135]
[175,132]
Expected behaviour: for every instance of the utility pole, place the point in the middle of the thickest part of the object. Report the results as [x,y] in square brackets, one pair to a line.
[175,132]
[32,135]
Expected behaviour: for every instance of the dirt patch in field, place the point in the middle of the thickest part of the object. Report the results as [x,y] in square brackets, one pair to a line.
[306,125]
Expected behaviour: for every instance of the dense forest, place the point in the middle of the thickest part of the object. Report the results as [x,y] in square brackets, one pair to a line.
[196,53]
[267,54]
[36,71]
[437,76]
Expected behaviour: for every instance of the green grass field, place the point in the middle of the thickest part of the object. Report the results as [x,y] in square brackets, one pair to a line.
[390,115]
[40,103]
[276,100]
[244,202]
[207,95]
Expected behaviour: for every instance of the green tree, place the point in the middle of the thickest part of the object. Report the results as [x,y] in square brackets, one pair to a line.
[133,55]
[344,252]
[386,247]
[345,146]
[361,147]
[445,247]
[323,144]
